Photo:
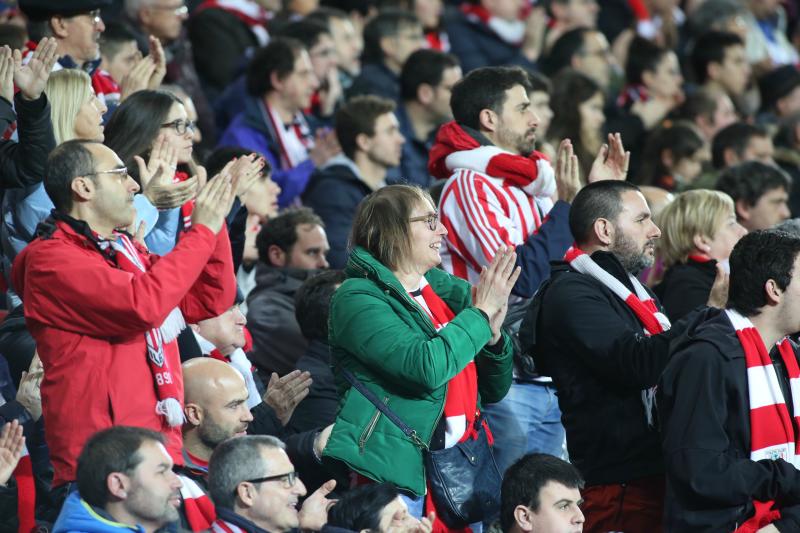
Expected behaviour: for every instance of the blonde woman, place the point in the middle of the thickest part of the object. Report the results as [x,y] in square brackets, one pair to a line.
[698,232]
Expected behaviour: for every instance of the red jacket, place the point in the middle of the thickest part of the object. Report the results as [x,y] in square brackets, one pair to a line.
[89,317]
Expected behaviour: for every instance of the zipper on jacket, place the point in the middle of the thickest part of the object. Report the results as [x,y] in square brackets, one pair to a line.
[367,433]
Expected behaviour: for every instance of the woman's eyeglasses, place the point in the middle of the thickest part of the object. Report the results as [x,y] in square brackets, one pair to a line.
[432,220]
[181,126]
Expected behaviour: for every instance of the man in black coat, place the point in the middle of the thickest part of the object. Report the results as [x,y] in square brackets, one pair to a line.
[725,467]
[605,355]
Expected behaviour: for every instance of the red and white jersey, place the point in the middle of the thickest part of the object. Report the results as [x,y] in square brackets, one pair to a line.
[482,213]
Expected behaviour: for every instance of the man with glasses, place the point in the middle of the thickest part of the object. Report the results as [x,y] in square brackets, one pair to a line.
[256,489]
[164,20]
[104,311]
[125,482]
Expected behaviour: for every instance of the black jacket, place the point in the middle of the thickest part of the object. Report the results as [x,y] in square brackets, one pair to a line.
[334,192]
[22,163]
[704,411]
[377,79]
[477,46]
[318,409]
[593,346]
[685,287]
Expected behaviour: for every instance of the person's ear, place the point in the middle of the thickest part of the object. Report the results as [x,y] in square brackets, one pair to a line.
[118,485]
[83,187]
[59,27]
[194,414]
[702,243]
[488,119]
[277,257]
[246,493]
[604,231]
[742,210]
[425,94]
[773,292]
[363,142]
[523,517]
[729,157]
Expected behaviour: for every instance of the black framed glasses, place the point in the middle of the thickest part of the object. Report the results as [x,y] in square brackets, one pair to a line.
[288,479]
[122,172]
[181,126]
[432,220]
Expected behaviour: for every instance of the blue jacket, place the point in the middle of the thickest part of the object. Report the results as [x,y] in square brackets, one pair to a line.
[477,46]
[377,79]
[334,193]
[250,129]
[77,516]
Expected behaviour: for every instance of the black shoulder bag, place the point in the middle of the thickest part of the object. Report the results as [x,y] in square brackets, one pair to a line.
[464,479]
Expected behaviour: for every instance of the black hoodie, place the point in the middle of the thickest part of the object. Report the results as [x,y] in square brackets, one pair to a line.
[704,410]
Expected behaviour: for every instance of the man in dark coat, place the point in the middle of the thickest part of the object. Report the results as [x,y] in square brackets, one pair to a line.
[604,340]
[727,400]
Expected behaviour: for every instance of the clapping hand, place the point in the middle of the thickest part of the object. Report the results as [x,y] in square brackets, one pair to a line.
[215,200]
[159,64]
[157,177]
[284,394]
[248,169]
[568,180]
[11,445]
[611,162]
[32,78]
[494,287]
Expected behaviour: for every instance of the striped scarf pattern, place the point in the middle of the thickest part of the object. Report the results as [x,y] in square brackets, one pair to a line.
[643,306]
[773,432]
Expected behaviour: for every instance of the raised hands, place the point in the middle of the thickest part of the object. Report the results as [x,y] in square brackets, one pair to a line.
[157,177]
[11,445]
[32,77]
[314,512]
[248,169]
[494,287]
[6,73]
[29,393]
[611,162]
[284,394]
[568,180]
[214,201]
[159,63]
[147,73]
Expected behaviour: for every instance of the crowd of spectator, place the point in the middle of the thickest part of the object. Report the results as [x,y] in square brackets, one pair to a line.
[280,265]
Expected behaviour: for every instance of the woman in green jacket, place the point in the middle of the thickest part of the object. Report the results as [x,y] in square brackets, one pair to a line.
[416,337]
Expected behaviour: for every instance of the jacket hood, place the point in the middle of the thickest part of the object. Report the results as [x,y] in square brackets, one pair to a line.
[283,280]
[340,167]
[77,515]
[713,326]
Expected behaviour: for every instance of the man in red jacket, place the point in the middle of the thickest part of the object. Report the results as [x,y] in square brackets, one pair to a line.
[105,312]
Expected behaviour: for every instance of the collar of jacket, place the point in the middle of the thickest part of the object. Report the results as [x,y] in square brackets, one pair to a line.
[230,517]
[320,350]
[451,289]
[285,279]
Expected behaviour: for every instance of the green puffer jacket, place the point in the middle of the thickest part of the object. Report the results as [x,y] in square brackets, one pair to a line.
[387,341]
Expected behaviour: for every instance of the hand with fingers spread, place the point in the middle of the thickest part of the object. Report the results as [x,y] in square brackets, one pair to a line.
[314,512]
[32,77]
[29,393]
[6,74]
[214,202]
[159,64]
[494,287]
[612,161]
[157,177]
[138,78]
[248,169]
[568,180]
[11,445]
[284,394]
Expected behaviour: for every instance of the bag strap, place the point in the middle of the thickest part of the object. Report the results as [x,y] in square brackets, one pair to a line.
[407,430]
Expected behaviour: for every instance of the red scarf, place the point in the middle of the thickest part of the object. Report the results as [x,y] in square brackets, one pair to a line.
[773,432]
[461,403]
[129,256]
[454,148]
[26,494]
[187,208]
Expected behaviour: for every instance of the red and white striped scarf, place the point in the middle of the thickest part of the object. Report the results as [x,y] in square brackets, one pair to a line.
[773,432]
[26,493]
[188,207]
[641,303]
[455,148]
[128,257]
[294,139]
[197,505]
[461,403]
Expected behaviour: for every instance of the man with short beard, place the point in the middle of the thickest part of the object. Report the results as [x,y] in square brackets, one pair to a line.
[125,482]
[603,338]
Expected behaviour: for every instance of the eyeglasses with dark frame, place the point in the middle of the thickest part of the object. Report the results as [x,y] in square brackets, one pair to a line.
[122,171]
[180,125]
[289,479]
[431,219]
